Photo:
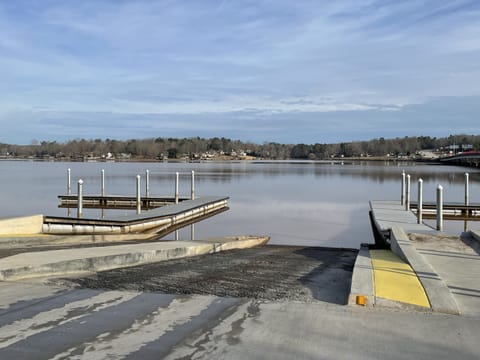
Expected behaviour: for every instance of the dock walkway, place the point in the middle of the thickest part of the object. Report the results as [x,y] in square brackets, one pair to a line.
[446,266]
[158,219]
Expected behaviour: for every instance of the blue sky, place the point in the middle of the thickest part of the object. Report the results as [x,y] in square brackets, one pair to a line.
[260,70]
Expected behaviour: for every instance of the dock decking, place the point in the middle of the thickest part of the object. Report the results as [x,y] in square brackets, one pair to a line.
[390,213]
[157,219]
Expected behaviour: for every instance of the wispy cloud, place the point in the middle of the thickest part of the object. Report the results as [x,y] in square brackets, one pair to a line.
[304,61]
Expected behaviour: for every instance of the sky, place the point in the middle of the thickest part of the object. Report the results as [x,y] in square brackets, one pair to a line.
[260,70]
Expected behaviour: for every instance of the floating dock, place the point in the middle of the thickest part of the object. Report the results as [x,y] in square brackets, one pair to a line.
[451,211]
[157,220]
[116,202]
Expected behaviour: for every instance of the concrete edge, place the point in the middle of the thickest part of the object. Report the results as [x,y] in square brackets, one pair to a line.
[53,240]
[126,259]
[475,234]
[362,278]
[388,303]
[21,225]
[439,295]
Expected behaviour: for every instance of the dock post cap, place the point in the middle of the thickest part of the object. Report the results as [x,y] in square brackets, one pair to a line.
[80,181]
[440,187]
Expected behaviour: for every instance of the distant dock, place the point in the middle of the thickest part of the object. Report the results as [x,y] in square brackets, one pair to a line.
[154,214]
[119,202]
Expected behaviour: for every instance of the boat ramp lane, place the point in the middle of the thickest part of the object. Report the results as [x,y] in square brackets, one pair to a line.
[82,260]
[158,219]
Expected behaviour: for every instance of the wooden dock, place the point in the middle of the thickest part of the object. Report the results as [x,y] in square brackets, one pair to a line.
[157,220]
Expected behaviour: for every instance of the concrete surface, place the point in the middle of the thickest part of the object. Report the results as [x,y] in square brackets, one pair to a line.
[272,272]
[457,261]
[21,225]
[391,213]
[439,295]
[81,260]
[362,278]
[391,216]
[50,323]
[395,280]
[475,234]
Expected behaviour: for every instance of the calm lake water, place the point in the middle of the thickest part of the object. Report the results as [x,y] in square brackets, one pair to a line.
[296,203]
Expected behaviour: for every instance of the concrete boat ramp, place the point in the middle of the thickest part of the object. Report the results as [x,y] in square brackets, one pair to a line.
[424,268]
[39,321]
[78,261]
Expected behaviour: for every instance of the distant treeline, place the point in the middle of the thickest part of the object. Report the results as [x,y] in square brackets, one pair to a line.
[161,148]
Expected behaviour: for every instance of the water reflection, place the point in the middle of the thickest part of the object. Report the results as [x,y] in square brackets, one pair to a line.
[306,203]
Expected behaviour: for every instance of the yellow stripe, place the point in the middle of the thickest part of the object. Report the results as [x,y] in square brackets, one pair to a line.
[396,280]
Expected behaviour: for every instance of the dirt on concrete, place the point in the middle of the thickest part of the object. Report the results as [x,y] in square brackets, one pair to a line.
[464,244]
[269,272]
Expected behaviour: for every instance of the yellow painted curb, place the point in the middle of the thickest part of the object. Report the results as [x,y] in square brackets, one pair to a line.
[395,280]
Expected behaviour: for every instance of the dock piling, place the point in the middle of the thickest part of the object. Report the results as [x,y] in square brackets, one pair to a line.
[139,200]
[147,183]
[192,194]
[69,181]
[467,200]
[192,232]
[420,201]
[103,190]
[440,208]
[80,199]
[103,182]
[407,197]
[176,188]
[402,199]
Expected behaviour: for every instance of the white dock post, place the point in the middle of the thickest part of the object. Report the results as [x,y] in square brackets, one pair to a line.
[407,197]
[80,199]
[69,188]
[69,181]
[176,188]
[139,200]
[103,182]
[192,194]
[402,199]
[147,183]
[467,200]
[440,208]
[420,202]
[192,232]
[176,235]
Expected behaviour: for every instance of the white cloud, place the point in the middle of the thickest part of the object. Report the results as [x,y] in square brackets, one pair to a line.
[255,58]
